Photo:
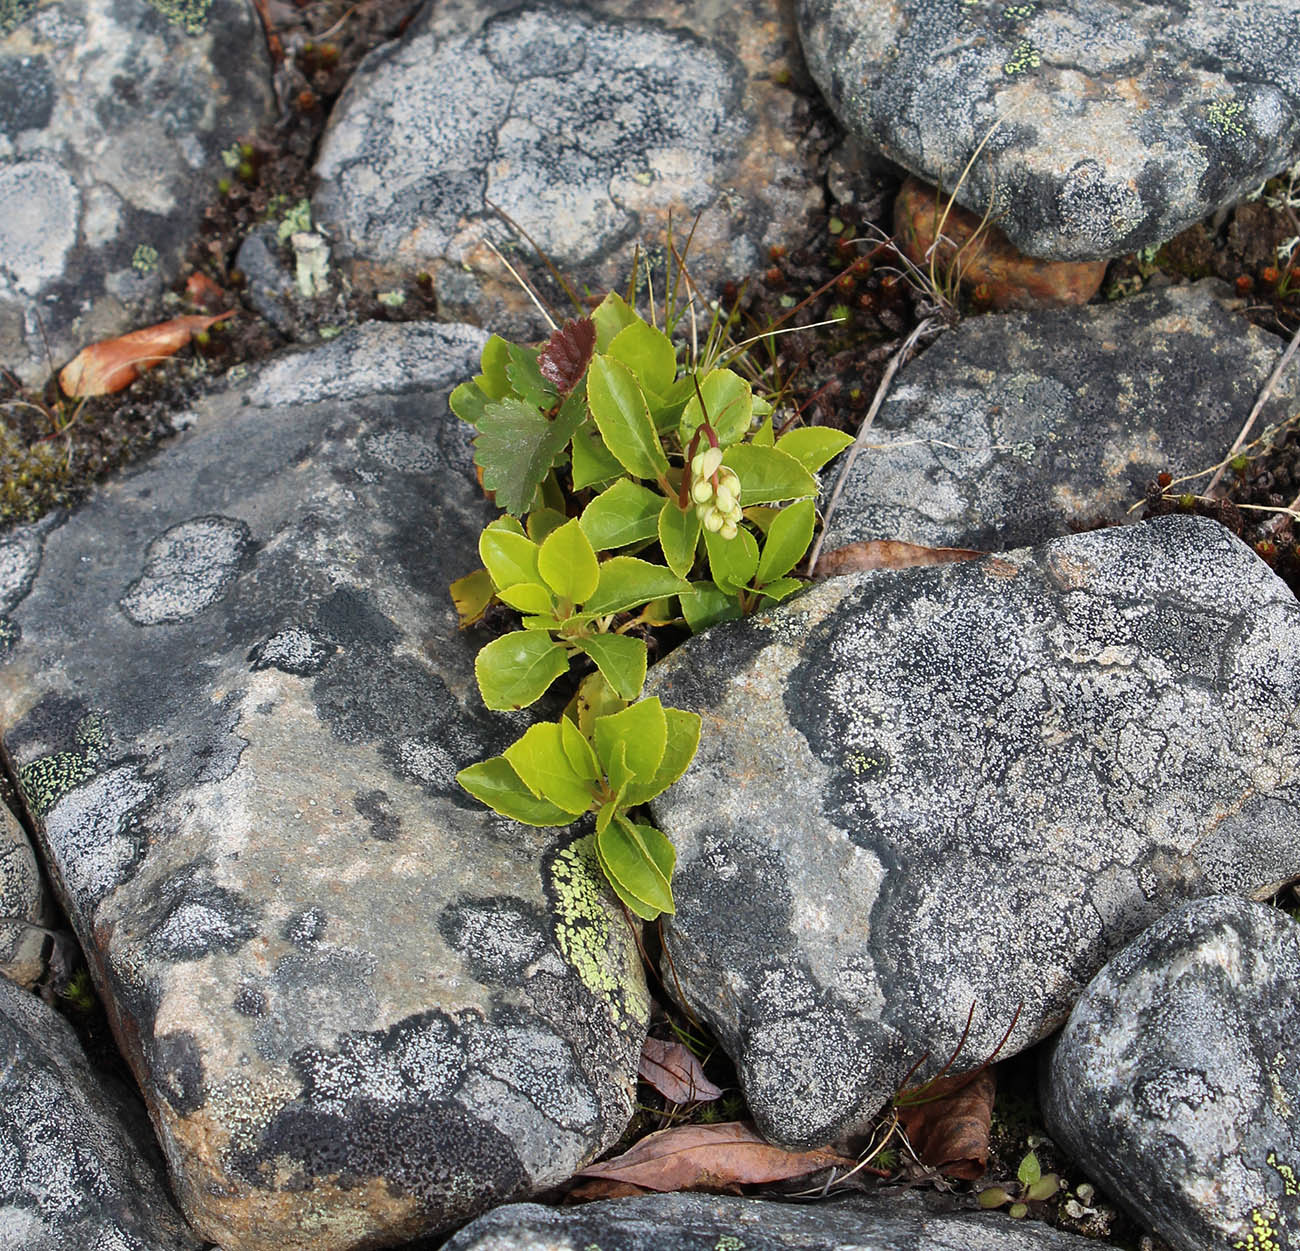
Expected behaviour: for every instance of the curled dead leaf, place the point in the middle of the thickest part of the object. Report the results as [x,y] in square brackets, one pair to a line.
[949,1130]
[113,364]
[711,1157]
[888,554]
[675,1073]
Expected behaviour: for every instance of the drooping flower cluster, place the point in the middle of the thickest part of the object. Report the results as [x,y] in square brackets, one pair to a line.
[715,491]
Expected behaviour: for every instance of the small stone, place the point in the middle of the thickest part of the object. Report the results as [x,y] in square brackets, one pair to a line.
[27,944]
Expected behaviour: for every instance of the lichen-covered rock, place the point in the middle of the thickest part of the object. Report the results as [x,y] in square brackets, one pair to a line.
[690,1222]
[1106,127]
[113,114]
[587,125]
[941,790]
[78,1165]
[1012,429]
[1176,1082]
[361,1006]
[26,943]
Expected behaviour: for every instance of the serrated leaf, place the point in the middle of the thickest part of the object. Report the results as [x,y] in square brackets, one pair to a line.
[732,562]
[630,862]
[517,445]
[619,410]
[526,380]
[592,462]
[611,315]
[567,563]
[679,536]
[626,513]
[705,605]
[637,907]
[492,380]
[516,669]
[467,401]
[621,659]
[787,540]
[649,354]
[494,783]
[680,745]
[511,525]
[626,581]
[540,759]
[813,446]
[528,597]
[543,521]
[471,596]
[764,436]
[768,475]
[509,558]
[579,752]
[642,733]
[728,403]
[564,359]
[781,589]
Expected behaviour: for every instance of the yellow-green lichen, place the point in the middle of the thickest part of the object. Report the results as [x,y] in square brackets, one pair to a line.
[190,15]
[592,938]
[1018,12]
[1023,57]
[1270,1226]
[144,260]
[1225,117]
[729,1242]
[45,780]
[1285,1172]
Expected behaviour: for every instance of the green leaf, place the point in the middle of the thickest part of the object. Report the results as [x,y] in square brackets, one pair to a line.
[1030,1170]
[641,731]
[471,595]
[467,401]
[567,563]
[510,558]
[515,670]
[649,354]
[626,582]
[764,436]
[682,742]
[507,523]
[768,474]
[543,521]
[732,562]
[619,410]
[634,905]
[626,513]
[679,536]
[526,379]
[787,540]
[528,597]
[621,659]
[592,462]
[543,765]
[728,402]
[813,446]
[492,380]
[579,752]
[495,783]
[517,445]
[781,589]
[611,315]
[595,698]
[705,605]
[632,859]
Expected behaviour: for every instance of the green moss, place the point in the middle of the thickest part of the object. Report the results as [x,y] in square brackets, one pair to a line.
[190,15]
[32,479]
[14,12]
[1023,57]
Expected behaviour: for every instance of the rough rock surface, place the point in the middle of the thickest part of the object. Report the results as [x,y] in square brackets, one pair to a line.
[1176,1081]
[26,943]
[969,785]
[1012,429]
[1106,126]
[78,1164]
[690,1222]
[113,114]
[586,124]
[361,1006]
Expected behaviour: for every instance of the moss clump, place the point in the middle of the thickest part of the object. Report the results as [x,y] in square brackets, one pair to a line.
[190,15]
[14,12]
[33,479]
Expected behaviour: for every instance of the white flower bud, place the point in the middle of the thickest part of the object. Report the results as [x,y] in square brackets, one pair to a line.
[697,465]
[701,490]
[703,510]
[714,521]
[725,497]
[729,530]
[709,462]
[733,513]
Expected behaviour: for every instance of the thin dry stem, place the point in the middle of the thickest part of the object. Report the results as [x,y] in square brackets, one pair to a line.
[526,287]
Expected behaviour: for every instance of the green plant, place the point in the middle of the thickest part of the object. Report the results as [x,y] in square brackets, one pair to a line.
[1031,1185]
[638,494]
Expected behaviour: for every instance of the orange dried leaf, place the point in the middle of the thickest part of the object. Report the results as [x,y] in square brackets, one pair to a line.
[201,290]
[888,554]
[950,1129]
[112,364]
[675,1073]
[711,1157]
[598,1188]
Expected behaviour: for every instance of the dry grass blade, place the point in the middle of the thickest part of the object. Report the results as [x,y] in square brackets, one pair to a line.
[950,1131]
[889,554]
[113,364]
[675,1073]
[711,1157]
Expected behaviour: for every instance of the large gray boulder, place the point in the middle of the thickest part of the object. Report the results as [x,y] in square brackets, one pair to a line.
[78,1164]
[1014,428]
[113,115]
[1176,1082]
[588,125]
[1106,126]
[691,1222]
[361,1007]
[944,790]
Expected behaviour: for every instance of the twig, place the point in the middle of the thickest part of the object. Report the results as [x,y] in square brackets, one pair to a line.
[532,295]
[895,361]
[1254,412]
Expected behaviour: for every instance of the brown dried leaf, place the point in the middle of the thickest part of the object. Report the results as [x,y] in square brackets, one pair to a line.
[203,292]
[567,354]
[711,1157]
[112,364]
[675,1072]
[888,554]
[598,1188]
[950,1130]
